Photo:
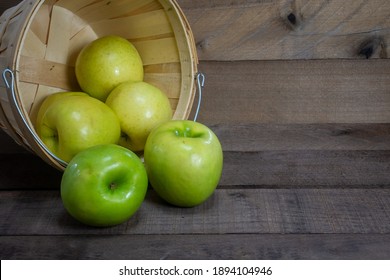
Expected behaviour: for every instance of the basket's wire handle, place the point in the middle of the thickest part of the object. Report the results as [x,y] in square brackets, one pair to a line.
[200,79]
[11,86]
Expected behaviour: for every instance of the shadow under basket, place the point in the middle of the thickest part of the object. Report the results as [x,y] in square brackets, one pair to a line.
[40,41]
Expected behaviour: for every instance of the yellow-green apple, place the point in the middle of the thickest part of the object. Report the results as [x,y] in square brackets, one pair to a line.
[106,62]
[104,185]
[48,101]
[184,161]
[140,107]
[76,122]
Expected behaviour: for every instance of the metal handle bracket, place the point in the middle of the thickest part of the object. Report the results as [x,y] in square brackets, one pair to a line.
[200,77]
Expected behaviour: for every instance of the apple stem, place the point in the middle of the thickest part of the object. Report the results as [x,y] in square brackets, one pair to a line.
[112,186]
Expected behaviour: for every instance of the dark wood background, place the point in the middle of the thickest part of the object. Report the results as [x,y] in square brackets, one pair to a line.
[299,94]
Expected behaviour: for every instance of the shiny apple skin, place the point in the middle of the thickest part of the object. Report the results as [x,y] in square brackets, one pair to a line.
[104,185]
[140,107]
[184,161]
[105,63]
[76,122]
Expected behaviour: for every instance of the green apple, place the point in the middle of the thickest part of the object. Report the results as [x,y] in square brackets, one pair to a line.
[105,63]
[140,107]
[184,161]
[76,122]
[104,185]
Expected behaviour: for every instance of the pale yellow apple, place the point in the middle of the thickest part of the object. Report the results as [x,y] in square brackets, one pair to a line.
[74,123]
[140,107]
[105,63]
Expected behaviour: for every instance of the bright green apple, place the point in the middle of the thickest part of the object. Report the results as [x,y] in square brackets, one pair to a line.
[105,63]
[184,161]
[76,122]
[140,107]
[104,185]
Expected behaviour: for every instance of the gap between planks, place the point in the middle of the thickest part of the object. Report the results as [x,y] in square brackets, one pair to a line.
[296,91]
[193,246]
[236,211]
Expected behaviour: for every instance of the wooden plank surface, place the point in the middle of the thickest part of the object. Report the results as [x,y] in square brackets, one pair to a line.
[273,155]
[289,91]
[303,119]
[300,168]
[289,29]
[307,168]
[254,137]
[228,211]
[202,247]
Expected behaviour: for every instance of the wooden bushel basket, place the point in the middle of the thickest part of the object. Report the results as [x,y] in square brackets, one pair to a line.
[40,41]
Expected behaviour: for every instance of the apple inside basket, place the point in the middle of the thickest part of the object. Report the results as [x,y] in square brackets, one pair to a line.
[56,31]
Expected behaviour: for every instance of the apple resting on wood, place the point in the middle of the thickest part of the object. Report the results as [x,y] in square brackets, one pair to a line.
[104,185]
[184,162]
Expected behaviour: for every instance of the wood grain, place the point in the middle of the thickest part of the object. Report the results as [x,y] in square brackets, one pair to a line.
[254,137]
[289,29]
[228,211]
[198,247]
[286,29]
[262,155]
[306,168]
[304,91]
